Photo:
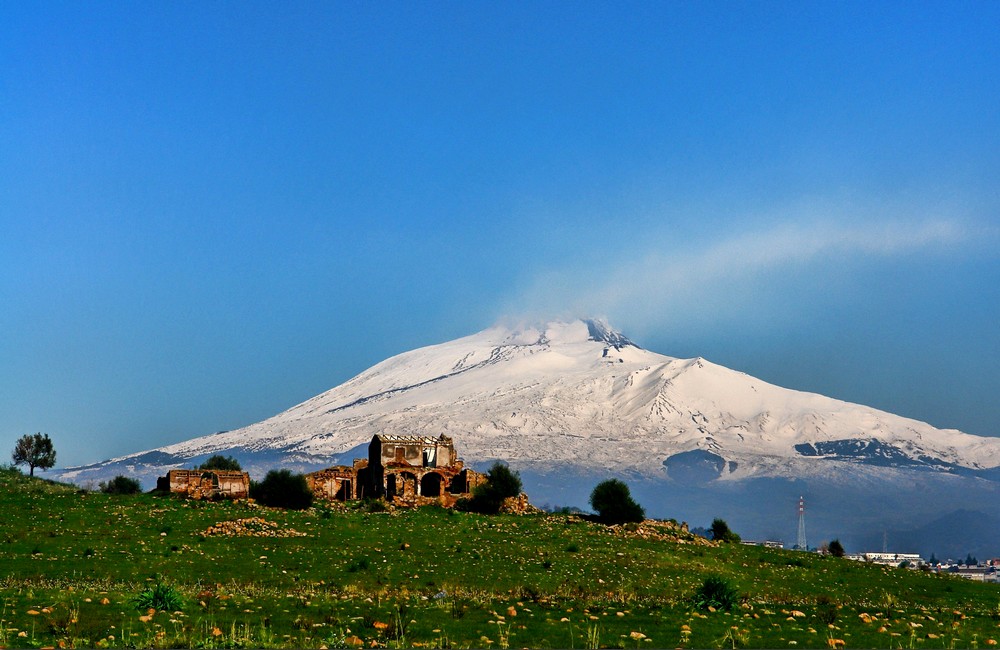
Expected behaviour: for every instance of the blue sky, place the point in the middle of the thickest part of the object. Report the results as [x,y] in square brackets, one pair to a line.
[212,211]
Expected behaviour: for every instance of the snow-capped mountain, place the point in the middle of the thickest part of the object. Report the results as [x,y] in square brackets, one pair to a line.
[580,399]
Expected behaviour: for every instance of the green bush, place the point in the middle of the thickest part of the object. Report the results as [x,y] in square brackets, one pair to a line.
[501,483]
[121,485]
[226,463]
[10,469]
[282,489]
[159,596]
[614,504]
[716,592]
[836,548]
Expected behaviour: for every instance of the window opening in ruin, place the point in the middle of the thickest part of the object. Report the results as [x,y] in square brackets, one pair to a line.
[458,484]
[409,485]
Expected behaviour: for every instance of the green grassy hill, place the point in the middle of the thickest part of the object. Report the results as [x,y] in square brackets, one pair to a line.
[83,570]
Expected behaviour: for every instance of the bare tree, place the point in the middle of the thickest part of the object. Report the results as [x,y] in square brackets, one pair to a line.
[34,451]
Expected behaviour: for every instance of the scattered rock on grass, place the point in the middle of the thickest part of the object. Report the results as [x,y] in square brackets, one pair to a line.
[252,527]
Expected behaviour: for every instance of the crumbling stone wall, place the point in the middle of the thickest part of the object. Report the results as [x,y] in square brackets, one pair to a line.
[518,506]
[206,484]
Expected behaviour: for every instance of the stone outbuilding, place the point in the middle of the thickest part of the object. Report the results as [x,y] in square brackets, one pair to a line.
[206,483]
[340,482]
[406,470]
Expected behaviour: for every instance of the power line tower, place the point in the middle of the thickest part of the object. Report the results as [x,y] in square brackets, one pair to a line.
[801,543]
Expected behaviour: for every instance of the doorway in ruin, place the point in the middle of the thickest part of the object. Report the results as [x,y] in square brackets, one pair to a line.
[390,487]
[344,492]
[430,485]
[363,483]
[210,482]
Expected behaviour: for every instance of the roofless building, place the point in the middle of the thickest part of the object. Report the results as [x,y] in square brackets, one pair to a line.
[408,470]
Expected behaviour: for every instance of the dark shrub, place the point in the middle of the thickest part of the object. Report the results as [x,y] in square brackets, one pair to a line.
[826,610]
[227,463]
[836,548]
[373,505]
[121,485]
[501,482]
[716,592]
[614,504]
[282,489]
[504,481]
[721,533]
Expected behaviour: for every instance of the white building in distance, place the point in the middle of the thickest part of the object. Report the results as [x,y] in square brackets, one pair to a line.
[892,559]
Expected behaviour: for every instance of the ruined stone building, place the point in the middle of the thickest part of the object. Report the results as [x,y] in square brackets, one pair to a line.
[407,470]
[340,482]
[206,483]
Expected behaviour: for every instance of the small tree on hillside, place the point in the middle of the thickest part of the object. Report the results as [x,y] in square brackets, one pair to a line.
[34,451]
[836,549]
[220,462]
[501,482]
[614,504]
[721,533]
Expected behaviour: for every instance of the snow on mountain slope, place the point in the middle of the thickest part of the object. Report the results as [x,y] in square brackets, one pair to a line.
[581,395]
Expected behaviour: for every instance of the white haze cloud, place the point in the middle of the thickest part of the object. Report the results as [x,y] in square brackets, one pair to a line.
[685,282]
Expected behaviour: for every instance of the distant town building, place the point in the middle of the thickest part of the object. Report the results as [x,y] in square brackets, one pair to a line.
[893,559]
[978,573]
[770,543]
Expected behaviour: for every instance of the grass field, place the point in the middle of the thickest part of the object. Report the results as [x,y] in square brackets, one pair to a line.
[81,569]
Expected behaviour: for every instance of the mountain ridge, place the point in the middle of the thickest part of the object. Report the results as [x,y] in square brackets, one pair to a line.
[580,395]
[709,406]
